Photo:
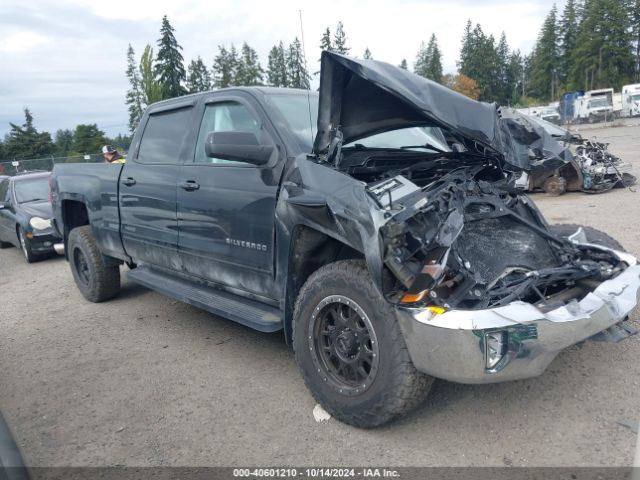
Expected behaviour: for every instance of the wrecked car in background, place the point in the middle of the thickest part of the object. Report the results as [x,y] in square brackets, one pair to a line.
[591,168]
[391,252]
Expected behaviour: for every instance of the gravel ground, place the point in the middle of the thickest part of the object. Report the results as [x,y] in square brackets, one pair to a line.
[147,381]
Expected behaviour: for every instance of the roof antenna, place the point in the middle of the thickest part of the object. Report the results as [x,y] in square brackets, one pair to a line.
[304,54]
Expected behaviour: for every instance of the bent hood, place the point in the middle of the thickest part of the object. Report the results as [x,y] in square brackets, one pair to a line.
[365,97]
[38,209]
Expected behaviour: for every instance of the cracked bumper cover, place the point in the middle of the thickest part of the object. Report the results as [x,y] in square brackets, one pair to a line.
[451,345]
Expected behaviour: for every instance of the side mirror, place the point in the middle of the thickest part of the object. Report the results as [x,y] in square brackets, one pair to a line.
[3,205]
[238,146]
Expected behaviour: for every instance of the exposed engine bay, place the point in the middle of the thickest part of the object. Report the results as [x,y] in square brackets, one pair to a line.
[458,237]
[601,170]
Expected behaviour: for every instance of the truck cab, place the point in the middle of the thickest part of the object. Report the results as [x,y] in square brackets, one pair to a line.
[595,106]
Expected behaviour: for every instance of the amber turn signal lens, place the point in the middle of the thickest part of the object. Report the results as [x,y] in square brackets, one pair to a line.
[413,297]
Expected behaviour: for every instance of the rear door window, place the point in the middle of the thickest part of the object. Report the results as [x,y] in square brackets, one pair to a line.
[164,136]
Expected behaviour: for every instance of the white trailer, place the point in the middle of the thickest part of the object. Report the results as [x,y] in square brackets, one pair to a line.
[630,97]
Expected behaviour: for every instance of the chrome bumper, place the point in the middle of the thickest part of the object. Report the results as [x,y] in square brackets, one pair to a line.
[452,345]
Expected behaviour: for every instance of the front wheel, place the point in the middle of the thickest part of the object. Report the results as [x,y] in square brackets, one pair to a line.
[350,350]
[25,246]
[97,279]
[593,235]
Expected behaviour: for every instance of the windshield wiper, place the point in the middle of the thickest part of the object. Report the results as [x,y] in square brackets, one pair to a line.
[34,200]
[426,146]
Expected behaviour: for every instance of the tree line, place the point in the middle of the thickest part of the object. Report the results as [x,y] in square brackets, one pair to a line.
[26,142]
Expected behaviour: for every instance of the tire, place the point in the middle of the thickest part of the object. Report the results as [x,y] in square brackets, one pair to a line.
[4,245]
[392,386]
[25,247]
[593,235]
[555,186]
[96,279]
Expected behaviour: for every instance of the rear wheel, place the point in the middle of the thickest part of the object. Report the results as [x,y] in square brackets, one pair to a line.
[593,235]
[350,350]
[97,277]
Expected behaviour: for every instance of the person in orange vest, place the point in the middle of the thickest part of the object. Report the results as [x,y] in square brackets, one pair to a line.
[111,155]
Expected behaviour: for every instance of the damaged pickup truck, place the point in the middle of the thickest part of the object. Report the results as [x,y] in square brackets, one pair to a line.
[391,251]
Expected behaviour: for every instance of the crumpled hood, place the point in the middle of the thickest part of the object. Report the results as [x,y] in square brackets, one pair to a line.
[365,97]
[38,209]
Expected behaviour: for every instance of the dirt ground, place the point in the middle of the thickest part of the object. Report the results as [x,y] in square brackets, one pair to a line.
[147,381]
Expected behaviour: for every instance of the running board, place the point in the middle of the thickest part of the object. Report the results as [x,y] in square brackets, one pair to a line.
[258,316]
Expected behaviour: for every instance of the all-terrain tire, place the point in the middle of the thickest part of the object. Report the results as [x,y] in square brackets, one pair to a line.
[97,278]
[593,235]
[396,387]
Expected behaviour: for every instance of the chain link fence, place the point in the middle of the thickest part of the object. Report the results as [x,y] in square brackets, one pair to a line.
[44,164]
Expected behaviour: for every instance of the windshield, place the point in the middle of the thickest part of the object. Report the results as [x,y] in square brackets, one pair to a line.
[636,97]
[32,189]
[295,110]
[599,102]
[405,137]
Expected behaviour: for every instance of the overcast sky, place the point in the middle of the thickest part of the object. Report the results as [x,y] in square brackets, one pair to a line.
[66,59]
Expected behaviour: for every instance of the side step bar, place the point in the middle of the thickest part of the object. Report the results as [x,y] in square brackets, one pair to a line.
[258,316]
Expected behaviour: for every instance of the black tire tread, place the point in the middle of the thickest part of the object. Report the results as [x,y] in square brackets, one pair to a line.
[410,386]
[593,235]
[107,278]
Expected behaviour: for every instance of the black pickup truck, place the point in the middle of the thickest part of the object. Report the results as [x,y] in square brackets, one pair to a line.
[372,222]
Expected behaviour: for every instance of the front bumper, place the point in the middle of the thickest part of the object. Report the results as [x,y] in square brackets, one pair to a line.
[451,345]
[43,241]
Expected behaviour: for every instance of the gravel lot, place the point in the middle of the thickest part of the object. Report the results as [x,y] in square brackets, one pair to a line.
[146,381]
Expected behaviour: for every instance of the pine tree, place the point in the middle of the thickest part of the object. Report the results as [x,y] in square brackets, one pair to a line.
[169,66]
[480,61]
[504,59]
[150,87]
[569,27]
[198,77]
[515,77]
[421,64]
[367,54]
[325,41]
[340,40]
[25,141]
[64,142]
[602,56]
[434,60]
[403,64]
[545,60]
[277,68]
[225,67]
[134,94]
[634,17]
[249,71]
[297,74]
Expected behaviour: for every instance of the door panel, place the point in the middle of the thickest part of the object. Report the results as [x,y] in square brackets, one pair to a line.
[148,218]
[227,225]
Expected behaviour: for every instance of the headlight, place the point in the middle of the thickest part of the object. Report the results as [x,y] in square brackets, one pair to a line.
[40,223]
[495,344]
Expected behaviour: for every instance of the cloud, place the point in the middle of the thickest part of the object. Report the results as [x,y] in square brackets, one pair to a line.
[66,59]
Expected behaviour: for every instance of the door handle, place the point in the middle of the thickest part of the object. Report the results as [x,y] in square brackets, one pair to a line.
[189,185]
[129,182]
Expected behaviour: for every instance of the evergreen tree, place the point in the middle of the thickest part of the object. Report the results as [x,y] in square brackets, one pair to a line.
[134,94]
[545,60]
[150,87]
[297,74]
[603,54]
[367,54]
[403,64]
[569,27]
[64,142]
[504,61]
[26,142]
[169,66]
[340,40]
[434,63]
[480,61]
[421,64]
[88,139]
[277,68]
[515,78]
[198,77]
[249,71]
[225,67]
[634,18]
[325,41]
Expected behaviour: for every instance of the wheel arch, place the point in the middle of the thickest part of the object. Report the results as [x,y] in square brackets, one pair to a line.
[74,214]
[309,250]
